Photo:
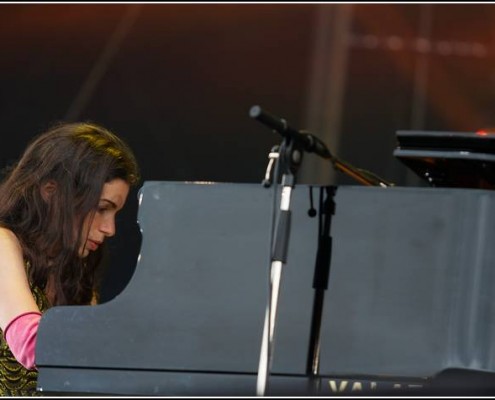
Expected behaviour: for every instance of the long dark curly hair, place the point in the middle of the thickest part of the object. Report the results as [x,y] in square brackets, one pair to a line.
[79,158]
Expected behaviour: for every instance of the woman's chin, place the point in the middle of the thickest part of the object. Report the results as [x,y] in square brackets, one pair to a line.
[83,253]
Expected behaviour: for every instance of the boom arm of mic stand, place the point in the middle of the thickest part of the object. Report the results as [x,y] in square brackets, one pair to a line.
[359,175]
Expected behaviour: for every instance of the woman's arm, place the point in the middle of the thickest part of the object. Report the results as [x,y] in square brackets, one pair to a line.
[19,314]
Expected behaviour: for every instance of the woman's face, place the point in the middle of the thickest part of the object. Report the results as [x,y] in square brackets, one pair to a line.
[102,225]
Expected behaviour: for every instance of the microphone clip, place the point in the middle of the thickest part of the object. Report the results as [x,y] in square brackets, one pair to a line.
[273,155]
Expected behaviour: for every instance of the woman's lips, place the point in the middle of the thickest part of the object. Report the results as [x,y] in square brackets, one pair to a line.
[92,245]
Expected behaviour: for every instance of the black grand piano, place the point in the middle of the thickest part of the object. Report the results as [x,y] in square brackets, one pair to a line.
[409,307]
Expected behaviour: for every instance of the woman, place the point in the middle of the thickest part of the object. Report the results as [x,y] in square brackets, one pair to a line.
[57,206]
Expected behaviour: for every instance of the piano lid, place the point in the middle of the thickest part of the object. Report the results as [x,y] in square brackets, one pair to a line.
[410,293]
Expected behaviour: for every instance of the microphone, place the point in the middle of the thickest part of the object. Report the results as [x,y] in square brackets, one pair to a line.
[309,142]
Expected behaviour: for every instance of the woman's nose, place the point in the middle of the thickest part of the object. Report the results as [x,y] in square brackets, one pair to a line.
[108,227]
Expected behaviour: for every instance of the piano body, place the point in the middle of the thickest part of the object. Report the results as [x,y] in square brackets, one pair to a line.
[410,296]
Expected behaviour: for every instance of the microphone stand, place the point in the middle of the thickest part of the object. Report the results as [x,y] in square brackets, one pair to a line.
[289,160]
[320,284]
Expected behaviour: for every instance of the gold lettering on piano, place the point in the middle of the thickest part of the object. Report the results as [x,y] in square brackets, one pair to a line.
[340,386]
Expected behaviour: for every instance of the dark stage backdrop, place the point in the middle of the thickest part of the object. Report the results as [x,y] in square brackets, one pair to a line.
[176,81]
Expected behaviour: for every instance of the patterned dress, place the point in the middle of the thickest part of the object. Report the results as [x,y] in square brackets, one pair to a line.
[15,380]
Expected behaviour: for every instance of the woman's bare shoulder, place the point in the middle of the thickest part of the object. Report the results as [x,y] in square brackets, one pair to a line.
[10,247]
[9,239]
